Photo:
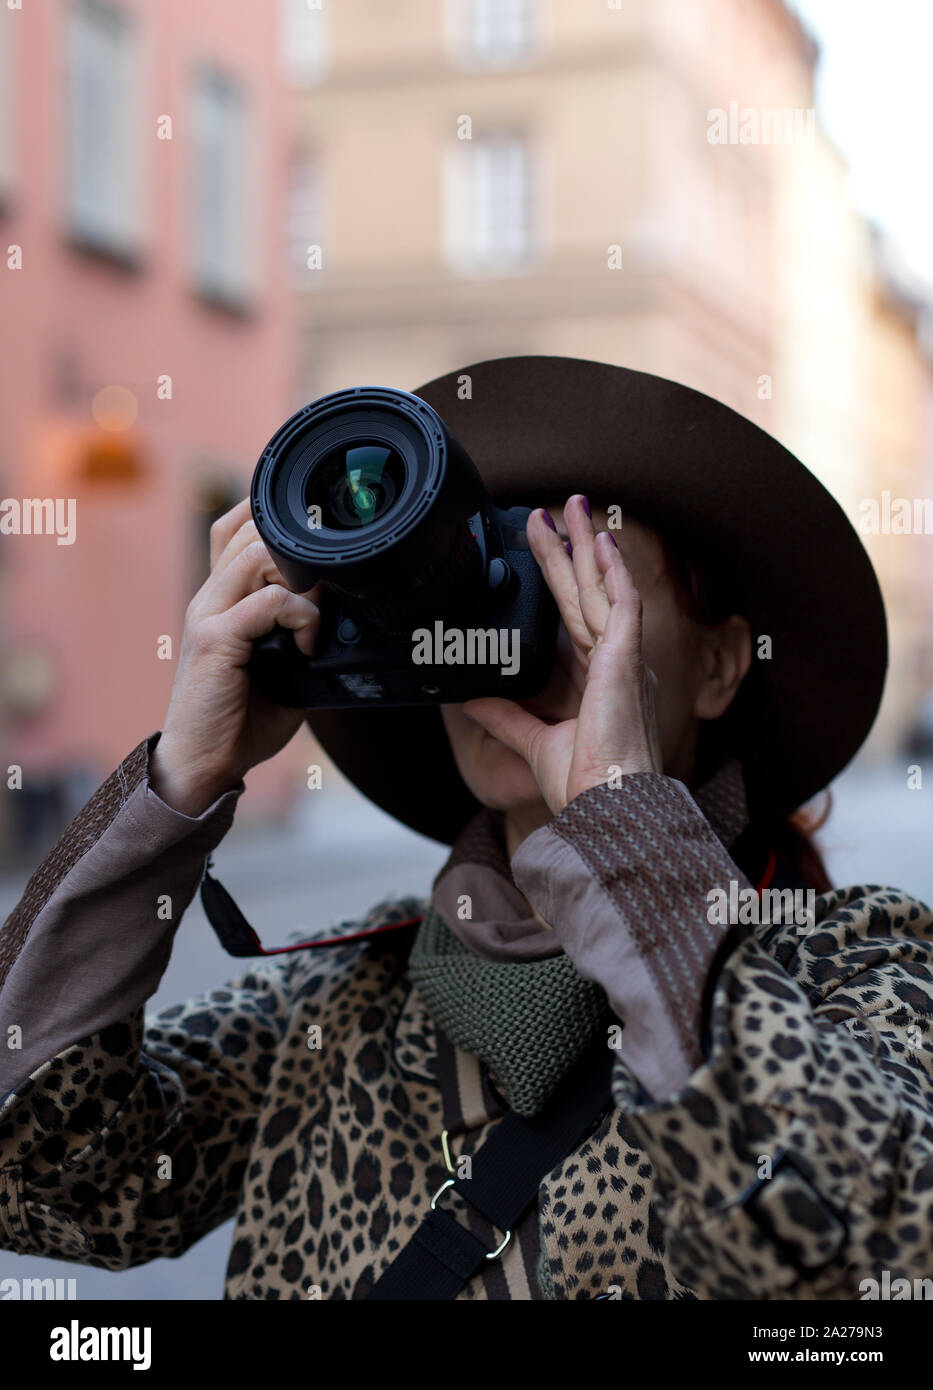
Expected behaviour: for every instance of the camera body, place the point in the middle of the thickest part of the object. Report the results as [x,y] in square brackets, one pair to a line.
[431,594]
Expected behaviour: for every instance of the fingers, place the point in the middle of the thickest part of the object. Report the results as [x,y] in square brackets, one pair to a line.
[557,568]
[623,626]
[243,570]
[226,527]
[593,603]
[247,569]
[244,536]
[258,613]
[509,723]
[245,594]
[577,583]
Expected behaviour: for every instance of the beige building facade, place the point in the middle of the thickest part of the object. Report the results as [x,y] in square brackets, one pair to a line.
[645,184]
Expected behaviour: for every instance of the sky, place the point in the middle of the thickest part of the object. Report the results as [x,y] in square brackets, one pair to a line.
[874,98]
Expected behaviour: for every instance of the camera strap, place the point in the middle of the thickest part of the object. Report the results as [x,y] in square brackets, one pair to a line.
[238,938]
[506,1172]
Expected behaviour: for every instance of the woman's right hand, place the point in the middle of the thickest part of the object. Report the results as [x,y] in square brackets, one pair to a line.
[217,727]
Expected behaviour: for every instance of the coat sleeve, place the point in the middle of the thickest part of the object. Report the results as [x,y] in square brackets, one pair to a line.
[122,1140]
[791,1137]
[133,1142]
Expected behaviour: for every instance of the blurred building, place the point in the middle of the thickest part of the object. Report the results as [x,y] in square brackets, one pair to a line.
[899,397]
[210,214]
[853,390]
[485,177]
[146,331]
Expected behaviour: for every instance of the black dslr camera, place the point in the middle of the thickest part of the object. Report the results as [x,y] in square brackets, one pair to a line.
[432,595]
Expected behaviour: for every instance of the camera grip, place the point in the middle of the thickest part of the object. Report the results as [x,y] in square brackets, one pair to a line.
[276,666]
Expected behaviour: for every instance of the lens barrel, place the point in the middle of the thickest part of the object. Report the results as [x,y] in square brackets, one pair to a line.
[368,490]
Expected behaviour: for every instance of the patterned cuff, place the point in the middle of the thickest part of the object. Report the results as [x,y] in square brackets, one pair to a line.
[91,936]
[622,876]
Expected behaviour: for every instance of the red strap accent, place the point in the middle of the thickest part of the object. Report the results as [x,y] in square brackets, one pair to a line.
[768,874]
[331,940]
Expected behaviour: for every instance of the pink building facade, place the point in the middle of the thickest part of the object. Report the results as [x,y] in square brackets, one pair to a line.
[147,344]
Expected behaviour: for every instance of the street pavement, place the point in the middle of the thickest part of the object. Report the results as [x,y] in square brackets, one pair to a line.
[339,856]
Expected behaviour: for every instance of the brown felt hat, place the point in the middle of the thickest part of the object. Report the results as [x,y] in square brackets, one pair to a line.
[541,428]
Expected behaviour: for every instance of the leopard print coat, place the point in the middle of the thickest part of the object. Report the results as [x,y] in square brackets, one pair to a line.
[796,1162]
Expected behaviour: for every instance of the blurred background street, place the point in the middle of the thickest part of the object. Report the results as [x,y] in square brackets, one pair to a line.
[212,214]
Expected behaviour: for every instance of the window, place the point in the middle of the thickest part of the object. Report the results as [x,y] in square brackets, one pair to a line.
[103,129]
[304,32]
[492,33]
[211,490]
[487,204]
[304,216]
[220,202]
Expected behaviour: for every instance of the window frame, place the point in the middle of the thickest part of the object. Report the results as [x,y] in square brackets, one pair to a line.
[112,226]
[466,19]
[463,231]
[223,272]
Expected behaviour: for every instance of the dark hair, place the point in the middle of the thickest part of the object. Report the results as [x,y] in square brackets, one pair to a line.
[708,597]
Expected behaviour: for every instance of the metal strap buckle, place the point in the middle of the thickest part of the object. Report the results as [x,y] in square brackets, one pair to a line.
[449,1182]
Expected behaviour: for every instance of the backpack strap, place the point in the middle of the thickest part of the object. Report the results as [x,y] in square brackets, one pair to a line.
[442,1255]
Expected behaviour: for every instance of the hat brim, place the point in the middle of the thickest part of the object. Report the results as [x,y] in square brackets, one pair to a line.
[541,428]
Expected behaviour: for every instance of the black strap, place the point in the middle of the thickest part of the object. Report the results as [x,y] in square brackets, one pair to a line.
[442,1255]
[238,938]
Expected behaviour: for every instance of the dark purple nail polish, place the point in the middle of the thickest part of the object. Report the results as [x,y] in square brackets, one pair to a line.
[612,538]
[586,507]
[548,519]
[569,549]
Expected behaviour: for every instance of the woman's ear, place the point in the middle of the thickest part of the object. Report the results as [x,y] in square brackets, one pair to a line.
[725,657]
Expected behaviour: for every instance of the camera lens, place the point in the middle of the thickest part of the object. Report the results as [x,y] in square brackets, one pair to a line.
[367,490]
[356,486]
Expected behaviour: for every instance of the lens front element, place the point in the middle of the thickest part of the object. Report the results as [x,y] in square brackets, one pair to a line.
[354,487]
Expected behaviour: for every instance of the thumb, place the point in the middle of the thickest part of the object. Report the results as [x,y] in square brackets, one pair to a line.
[507,722]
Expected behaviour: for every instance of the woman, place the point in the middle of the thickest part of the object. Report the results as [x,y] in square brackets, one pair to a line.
[769,1132]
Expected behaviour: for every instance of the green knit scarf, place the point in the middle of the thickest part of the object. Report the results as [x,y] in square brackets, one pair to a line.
[529,1021]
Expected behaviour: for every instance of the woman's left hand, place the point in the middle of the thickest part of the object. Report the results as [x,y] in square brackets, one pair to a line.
[615,731]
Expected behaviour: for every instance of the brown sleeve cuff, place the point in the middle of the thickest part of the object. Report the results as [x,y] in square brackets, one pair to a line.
[622,876]
[90,939]
[86,828]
